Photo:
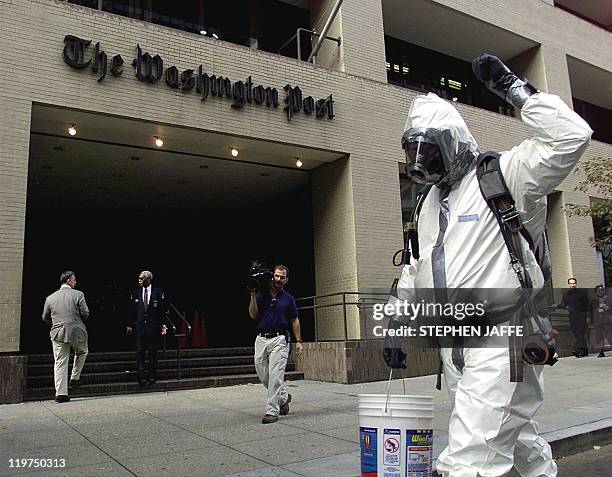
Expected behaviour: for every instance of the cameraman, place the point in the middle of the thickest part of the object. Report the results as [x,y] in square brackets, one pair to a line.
[276,310]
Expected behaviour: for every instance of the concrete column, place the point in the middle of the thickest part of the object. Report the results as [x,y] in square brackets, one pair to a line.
[580,233]
[378,219]
[334,245]
[360,25]
[546,67]
[14,154]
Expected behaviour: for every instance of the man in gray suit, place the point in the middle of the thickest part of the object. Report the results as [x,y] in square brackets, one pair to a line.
[65,310]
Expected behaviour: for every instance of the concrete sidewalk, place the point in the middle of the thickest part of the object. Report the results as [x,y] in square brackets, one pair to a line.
[218,431]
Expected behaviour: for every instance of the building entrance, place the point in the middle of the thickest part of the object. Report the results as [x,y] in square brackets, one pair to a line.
[108,203]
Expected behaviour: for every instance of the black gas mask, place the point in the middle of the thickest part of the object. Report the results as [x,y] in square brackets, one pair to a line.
[424,155]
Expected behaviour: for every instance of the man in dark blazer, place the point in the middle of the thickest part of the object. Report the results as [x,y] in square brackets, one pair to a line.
[65,310]
[147,322]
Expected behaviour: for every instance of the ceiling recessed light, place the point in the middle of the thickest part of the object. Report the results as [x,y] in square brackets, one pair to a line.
[203,167]
[158,141]
[72,130]
[298,163]
[135,158]
[234,151]
[58,148]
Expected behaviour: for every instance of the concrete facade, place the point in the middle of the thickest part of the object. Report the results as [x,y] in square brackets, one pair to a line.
[356,200]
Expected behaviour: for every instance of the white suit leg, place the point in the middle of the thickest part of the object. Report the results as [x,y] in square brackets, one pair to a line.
[532,454]
[489,415]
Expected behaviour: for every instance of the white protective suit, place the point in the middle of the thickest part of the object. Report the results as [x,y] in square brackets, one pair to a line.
[491,426]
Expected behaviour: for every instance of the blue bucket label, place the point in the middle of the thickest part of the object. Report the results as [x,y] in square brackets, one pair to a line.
[392,451]
[368,441]
[419,446]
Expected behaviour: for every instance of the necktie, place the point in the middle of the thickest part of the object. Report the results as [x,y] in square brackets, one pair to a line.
[146,299]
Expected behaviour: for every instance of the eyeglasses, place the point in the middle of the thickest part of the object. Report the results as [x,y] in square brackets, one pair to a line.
[273,303]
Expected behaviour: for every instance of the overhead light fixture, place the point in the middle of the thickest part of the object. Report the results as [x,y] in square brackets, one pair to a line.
[298,162]
[215,36]
[234,151]
[203,32]
[72,130]
[158,141]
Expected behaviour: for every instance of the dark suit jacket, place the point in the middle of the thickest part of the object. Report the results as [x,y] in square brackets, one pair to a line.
[151,320]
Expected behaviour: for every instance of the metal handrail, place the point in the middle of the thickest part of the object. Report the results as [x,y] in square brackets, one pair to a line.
[364,301]
[178,336]
[299,41]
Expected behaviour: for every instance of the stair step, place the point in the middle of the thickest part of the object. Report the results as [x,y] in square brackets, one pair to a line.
[130,365]
[35,394]
[162,374]
[35,359]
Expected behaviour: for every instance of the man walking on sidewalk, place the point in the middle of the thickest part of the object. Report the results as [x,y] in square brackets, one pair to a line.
[65,310]
[276,310]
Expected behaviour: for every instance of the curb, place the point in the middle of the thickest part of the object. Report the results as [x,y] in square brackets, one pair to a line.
[574,440]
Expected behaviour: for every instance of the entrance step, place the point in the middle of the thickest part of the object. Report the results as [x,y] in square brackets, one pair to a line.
[115,373]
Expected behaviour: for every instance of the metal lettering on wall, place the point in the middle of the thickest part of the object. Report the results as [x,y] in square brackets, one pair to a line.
[150,69]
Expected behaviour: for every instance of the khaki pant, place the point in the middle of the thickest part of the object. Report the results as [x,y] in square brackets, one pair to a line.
[61,353]
[270,361]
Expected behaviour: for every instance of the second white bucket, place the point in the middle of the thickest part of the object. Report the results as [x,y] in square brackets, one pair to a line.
[397,442]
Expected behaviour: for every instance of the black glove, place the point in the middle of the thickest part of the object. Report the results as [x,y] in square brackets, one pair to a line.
[392,352]
[395,358]
[498,78]
[488,67]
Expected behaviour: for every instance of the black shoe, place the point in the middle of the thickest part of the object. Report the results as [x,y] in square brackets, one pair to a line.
[269,419]
[62,398]
[575,353]
[151,381]
[601,354]
[74,383]
[284,409]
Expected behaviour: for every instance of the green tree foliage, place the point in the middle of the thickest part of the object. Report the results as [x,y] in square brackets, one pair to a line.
[597,183]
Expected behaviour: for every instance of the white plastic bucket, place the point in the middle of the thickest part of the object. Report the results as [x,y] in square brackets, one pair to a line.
[397,442]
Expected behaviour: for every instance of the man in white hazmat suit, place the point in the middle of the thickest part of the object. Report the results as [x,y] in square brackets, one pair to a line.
[491,426]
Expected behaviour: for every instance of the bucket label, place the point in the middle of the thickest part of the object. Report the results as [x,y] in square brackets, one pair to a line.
[391,452]
[368,441]
[419,445]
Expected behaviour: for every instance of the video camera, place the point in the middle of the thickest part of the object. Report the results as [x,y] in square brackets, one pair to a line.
[260,277]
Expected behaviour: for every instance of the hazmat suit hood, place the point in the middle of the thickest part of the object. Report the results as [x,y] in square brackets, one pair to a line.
[436,121]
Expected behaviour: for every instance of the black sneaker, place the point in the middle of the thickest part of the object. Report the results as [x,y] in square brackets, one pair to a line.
[284,409]
[601,354]
[269,419]
[62,398]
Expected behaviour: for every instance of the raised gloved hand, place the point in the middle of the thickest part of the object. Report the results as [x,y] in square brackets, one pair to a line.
[498,79]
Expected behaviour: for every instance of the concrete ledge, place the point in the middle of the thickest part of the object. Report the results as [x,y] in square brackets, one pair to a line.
[361,361]
[13,371]
[576,439]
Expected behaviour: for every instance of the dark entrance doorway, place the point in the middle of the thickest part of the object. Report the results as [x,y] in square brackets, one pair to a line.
[109,210]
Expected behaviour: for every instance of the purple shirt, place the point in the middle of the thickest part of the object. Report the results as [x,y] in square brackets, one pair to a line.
[275,314]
